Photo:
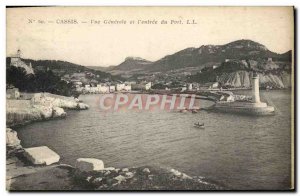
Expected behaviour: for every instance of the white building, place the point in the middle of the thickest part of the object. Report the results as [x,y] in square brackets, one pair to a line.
[190,86]
[87,87]
[103,89]
[120,87]
[93,89]
[214,85]
[112,89]
[127,87]
[148,86]
[142,86]
[215,66]
[17,62]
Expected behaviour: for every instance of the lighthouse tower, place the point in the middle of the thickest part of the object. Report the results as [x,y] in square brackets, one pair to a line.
[255,88]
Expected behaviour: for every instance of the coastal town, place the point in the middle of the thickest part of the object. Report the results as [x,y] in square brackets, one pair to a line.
[83,85]
[89,82]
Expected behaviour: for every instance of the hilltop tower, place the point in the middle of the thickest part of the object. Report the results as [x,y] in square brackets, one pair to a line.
[16,61]
[255,88]
[18,55]
[16,58]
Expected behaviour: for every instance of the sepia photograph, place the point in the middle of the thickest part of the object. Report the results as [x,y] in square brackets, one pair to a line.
[150,98]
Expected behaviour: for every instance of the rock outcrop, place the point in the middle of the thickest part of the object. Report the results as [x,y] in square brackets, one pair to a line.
[58,112]
[18,115]
[141,178]
[12,141]
[42,106]
[41,155]
[89,164]
[48,99]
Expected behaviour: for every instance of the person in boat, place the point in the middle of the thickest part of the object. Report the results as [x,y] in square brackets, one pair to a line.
[200,124]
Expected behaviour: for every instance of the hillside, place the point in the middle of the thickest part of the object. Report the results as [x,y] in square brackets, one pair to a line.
[62,68]
[238,73]
[197,57]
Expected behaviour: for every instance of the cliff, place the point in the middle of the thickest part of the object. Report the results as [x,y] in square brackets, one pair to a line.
[243,79]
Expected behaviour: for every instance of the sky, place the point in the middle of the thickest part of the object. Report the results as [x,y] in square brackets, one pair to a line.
[94,44]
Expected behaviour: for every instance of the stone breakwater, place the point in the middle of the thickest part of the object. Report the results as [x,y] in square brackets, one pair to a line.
[41,106]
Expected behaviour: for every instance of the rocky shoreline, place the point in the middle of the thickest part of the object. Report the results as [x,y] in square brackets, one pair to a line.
[90,174]
[39,107]
[39,168]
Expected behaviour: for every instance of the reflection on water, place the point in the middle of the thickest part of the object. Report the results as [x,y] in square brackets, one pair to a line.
[241,152]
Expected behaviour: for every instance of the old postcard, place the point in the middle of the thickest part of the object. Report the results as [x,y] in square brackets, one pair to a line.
[149,98]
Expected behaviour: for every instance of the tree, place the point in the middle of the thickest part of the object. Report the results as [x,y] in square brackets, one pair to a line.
[42,81]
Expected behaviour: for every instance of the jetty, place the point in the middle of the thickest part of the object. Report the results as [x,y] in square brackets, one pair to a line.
[253,107]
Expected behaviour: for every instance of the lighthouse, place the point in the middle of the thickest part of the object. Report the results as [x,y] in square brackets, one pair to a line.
[253,107]
[255,88]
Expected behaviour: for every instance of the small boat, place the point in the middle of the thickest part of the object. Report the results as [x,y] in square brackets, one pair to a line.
[200,126]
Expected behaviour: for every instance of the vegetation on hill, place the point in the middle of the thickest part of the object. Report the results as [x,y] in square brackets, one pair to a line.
[62,68]
[41,81]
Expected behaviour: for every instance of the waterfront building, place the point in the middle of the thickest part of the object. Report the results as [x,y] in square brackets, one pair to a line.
[93,89]
[148,86]
[142,86]
[103,89]
[127,87]
[190,86]
[120,87]
[215,66]
[112,88]
[210,85]
[87,87]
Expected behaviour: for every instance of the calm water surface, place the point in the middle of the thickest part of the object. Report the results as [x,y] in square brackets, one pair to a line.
[240,152]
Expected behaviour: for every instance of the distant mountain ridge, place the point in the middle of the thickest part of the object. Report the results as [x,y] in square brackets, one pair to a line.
[205,55]
[197,57]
